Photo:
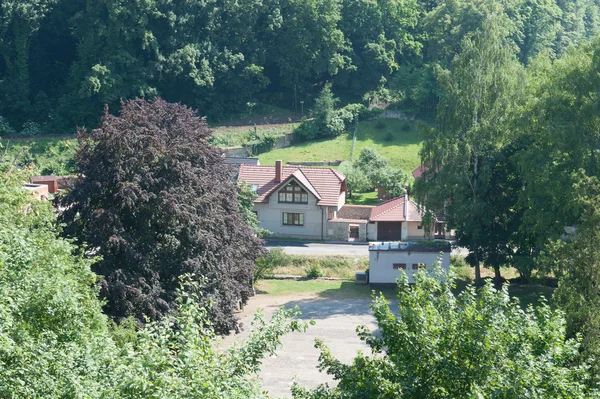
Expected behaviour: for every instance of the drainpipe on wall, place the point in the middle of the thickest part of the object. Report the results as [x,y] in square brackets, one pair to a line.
[322,223]
[405,218]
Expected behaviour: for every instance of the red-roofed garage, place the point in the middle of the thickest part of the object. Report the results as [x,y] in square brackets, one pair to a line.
[389,231]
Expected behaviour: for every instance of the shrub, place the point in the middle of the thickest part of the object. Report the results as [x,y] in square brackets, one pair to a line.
[380,124]
[477,344]
[405,127]
[5,128]
[31,129]
[308,130]
[372,113]
[266,264]
[314,271]
[389,137]
[459,266]
[357,110]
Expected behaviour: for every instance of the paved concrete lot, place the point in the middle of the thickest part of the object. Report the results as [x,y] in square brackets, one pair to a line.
[336,322]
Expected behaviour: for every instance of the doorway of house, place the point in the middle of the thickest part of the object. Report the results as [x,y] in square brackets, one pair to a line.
[354,233]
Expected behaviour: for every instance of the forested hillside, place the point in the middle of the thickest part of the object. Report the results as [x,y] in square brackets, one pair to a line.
[62,60]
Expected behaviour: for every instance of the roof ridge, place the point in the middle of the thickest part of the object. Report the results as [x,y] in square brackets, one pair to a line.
[308,181]
[388,210]
[390,200]
[376,215]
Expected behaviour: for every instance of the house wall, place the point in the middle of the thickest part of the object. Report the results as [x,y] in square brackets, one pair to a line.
[372,232]
[340,231]
[413,233]
[341,201]
[381,264]
[270,217]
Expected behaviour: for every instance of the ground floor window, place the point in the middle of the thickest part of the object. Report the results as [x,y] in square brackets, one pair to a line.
[399,266]
[293,219]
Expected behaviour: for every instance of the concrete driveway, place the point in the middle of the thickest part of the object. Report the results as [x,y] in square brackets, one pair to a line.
[336,322]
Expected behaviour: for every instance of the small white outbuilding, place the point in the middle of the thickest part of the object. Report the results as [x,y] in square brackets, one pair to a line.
[388,260]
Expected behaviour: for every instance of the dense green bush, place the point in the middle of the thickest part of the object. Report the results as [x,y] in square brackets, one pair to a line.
[314,271]
[55,343]
[31,129]
[266,264]
[438,345]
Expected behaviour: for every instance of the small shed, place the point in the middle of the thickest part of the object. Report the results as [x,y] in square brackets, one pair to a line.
[389,259]
[50,181]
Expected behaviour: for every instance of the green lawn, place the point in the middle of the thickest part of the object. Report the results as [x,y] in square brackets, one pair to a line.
[396,140]
[363,199]
[345,289]
[338,289]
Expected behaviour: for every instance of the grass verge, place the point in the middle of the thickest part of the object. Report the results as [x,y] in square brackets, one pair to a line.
[323,266]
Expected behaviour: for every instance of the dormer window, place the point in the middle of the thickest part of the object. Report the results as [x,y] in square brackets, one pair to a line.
[292,193]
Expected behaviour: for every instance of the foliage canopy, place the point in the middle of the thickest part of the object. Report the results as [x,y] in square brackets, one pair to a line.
[155,201]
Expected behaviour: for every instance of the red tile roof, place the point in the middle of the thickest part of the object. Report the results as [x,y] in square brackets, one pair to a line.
[419,171]
[394,211]
[325,184]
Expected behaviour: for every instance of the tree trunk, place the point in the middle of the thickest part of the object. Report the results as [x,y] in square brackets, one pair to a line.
[497,277]
[477,269]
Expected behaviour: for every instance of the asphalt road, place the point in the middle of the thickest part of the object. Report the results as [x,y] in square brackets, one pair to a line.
[313,248]
[332,249]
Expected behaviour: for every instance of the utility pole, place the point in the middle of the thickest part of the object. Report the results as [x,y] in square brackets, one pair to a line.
[302,108]
[295,104]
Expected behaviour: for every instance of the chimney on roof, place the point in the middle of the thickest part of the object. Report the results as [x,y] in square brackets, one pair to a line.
[278,171]
[406,207]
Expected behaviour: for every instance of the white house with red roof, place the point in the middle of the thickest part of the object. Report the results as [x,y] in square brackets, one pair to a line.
[295,201]
[310,202]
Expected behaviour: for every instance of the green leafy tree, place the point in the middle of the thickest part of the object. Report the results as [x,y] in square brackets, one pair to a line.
[560,128]
[356,180]
[382,37]
[154,199]
[477,344]
[379,173]
[577,262]
[56,343]
[54,338]
[371,164]
[472,126]
[326,120]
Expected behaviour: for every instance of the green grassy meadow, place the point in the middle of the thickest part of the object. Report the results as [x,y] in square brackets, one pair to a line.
[396,140]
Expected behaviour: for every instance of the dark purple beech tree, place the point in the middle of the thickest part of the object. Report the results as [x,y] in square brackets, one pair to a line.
[154,201]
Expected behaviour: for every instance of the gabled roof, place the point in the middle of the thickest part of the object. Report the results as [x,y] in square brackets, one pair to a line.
[325,184]
[355,212]
[301,178]
[399,209]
